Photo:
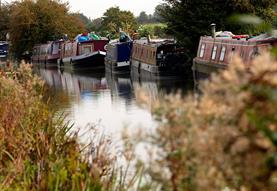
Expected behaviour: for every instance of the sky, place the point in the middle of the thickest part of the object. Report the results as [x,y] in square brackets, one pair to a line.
[96,8]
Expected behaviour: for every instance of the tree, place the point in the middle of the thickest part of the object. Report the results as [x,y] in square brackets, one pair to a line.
[157,15]
[86,21]
[4,19]
[143,18]
[35,22]
[187,20]
[97,23]
[115,19]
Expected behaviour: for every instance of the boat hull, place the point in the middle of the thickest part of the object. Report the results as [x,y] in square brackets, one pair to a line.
[165,70]
[93,60]
[117,67]
[203,70]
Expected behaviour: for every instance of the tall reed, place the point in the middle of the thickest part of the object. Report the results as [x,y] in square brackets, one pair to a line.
[38,150]
[223,139]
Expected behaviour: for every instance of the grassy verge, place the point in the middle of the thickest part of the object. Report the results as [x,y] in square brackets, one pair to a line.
[38,152]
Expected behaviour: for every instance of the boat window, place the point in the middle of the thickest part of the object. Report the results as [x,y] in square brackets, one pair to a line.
[55,48]
[86,49]
[202,50]
[214,52]
[222,53]
[154,53]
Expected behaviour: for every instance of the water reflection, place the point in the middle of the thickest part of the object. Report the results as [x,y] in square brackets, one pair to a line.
[108,100]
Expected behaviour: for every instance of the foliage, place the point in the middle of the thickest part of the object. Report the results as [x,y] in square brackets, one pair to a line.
[34,22]
[156,30]
[115,19]
[4,19]
[274,24]
[143,18]
[97,23]
[188,20]
[226,138]
[39,151]
[89,26]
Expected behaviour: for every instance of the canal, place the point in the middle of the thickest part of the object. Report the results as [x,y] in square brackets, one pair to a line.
[107,102]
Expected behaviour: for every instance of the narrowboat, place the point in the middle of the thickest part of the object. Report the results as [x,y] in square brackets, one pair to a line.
[159,58]
[118,55]
[117,59]
[4,50]
[216,52]
[47,54]
[78,55]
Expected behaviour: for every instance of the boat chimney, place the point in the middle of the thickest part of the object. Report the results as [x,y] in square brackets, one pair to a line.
[148,39]
[213,29]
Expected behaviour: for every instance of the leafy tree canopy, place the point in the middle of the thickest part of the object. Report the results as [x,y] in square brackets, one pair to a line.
[89,25]
[115,19]
[143,17]
[187,20]
[33,22]
[4,19]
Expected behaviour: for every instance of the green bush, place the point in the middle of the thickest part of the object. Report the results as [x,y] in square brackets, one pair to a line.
[156,30]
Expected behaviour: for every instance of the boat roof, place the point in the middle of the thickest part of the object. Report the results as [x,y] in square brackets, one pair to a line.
[154,42]
[229,36]
[262,37]
[3,42]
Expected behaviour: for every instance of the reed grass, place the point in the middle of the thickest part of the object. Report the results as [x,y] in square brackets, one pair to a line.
[224,139]
[38,150]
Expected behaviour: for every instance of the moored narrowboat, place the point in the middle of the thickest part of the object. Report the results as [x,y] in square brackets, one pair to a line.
[117,59]
[215,53]
[118,55]
[159,57]
[46,54]
[89,54]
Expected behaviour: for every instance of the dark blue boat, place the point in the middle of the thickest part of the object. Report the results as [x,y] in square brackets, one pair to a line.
[4,50]
[117,59]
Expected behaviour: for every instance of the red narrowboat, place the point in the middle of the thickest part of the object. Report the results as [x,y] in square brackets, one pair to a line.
[47,54]
[215,53]
[82,55]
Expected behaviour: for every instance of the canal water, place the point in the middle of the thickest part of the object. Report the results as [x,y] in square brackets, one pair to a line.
[108,102]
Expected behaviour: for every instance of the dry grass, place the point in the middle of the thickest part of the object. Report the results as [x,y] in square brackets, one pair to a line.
[39,151]
[225,139]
